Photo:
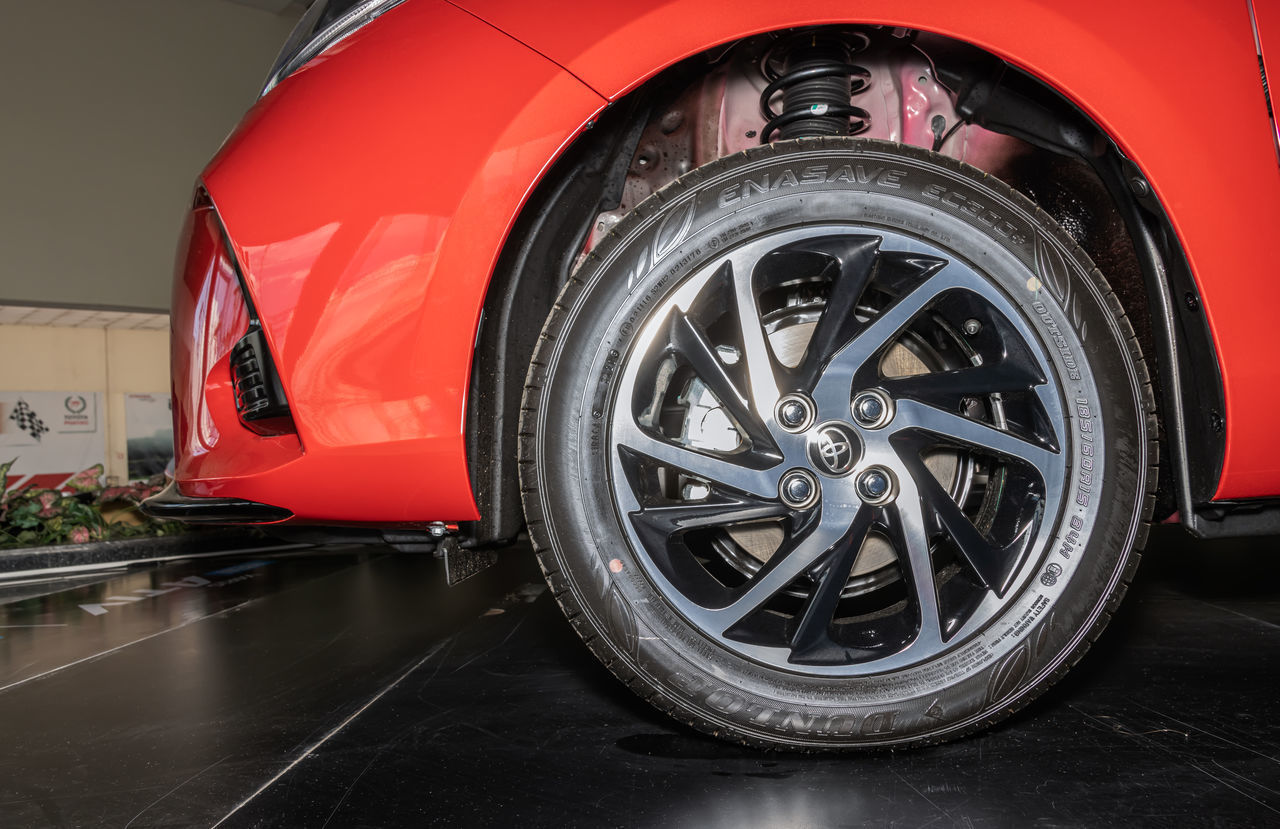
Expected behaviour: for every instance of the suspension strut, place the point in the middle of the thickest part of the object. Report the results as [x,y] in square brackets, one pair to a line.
[816,79]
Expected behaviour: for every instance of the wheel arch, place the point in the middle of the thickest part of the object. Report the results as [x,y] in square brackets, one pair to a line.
[539,253]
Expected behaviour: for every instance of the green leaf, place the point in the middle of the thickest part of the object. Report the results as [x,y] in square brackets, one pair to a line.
[25,520]
[87,481]
[4,476]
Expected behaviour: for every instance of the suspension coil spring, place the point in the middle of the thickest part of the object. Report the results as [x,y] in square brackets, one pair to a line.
[816,79]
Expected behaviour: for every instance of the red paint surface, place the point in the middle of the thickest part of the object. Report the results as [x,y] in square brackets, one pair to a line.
[1145,71]
[212,448]
[367,223]
[368,196]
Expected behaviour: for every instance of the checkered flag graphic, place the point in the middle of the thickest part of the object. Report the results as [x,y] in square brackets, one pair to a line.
[27,420]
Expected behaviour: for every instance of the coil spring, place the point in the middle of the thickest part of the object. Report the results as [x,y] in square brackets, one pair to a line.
[816,81]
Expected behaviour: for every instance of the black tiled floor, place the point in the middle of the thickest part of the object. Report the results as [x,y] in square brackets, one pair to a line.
[354,689]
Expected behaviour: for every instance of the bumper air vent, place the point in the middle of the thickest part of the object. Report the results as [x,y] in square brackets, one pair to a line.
[260,399]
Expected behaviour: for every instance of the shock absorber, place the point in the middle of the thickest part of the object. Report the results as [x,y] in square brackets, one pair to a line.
[816,79]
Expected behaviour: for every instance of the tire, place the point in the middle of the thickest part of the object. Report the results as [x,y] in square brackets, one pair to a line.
[838,443]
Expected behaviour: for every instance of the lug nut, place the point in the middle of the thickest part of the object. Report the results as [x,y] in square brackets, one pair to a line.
[971,327]
[872,409]
[798,489]
[795,413]
[791,414]
[875,486]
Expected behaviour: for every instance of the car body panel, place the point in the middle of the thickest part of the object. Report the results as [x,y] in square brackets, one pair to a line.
[1173,83]
[366,224]
[367,197]
[209,317]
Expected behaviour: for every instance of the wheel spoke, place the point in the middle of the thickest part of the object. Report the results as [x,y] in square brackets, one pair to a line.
[761,373]
[832,389]
[899,271]
[812,634]
[945,389]
[990,562]
[971,433]
[719,471]
[912,538]
[855,258]
[688,340]
[796,556]
[718,509]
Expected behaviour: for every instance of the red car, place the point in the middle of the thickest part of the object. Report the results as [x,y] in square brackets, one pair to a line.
[836,357]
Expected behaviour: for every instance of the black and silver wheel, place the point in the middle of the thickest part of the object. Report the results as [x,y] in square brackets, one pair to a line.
[837,443]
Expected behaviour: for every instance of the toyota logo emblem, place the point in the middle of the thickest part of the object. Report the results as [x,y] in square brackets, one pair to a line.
[834,450]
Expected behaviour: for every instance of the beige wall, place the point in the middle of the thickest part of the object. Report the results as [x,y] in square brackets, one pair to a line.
[108,111]
[114,361]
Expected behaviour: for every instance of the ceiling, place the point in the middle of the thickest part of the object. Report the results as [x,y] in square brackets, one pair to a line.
[275,6]
[80,318]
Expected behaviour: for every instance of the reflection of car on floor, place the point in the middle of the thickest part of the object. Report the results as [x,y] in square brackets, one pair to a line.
[822,440]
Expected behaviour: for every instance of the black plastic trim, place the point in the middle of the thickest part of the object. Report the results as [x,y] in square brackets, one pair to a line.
[320,28]
[535,262]
[171,505]
[401,540]
[1262,73]
[1236,519]
[259,395]
[1004,99]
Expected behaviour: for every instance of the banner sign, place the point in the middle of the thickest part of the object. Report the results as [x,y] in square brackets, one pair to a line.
[149,429]
[52,434]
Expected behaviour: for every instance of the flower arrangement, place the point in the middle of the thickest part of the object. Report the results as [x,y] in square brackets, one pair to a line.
[89,512]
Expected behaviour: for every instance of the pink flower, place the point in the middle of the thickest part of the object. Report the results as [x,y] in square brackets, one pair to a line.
[48,503]
[80,535]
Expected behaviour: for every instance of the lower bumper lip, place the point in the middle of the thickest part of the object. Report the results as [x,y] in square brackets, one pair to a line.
[171,505]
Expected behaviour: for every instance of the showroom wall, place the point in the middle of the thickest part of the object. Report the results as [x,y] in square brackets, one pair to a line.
[109,111]
[111,367]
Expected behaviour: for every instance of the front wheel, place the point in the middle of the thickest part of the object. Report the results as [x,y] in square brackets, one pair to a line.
[837,443]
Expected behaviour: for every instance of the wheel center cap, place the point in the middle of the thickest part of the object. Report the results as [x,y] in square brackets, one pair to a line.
[834,449]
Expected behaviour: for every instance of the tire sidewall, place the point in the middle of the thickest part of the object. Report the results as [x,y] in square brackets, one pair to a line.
[1058,602]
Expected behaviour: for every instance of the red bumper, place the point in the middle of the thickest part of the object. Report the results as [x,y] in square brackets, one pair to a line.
[218,457]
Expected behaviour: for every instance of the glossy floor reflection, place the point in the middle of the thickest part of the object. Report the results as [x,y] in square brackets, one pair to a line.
[354,689]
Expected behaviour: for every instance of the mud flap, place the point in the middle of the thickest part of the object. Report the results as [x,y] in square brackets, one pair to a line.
[461,564]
